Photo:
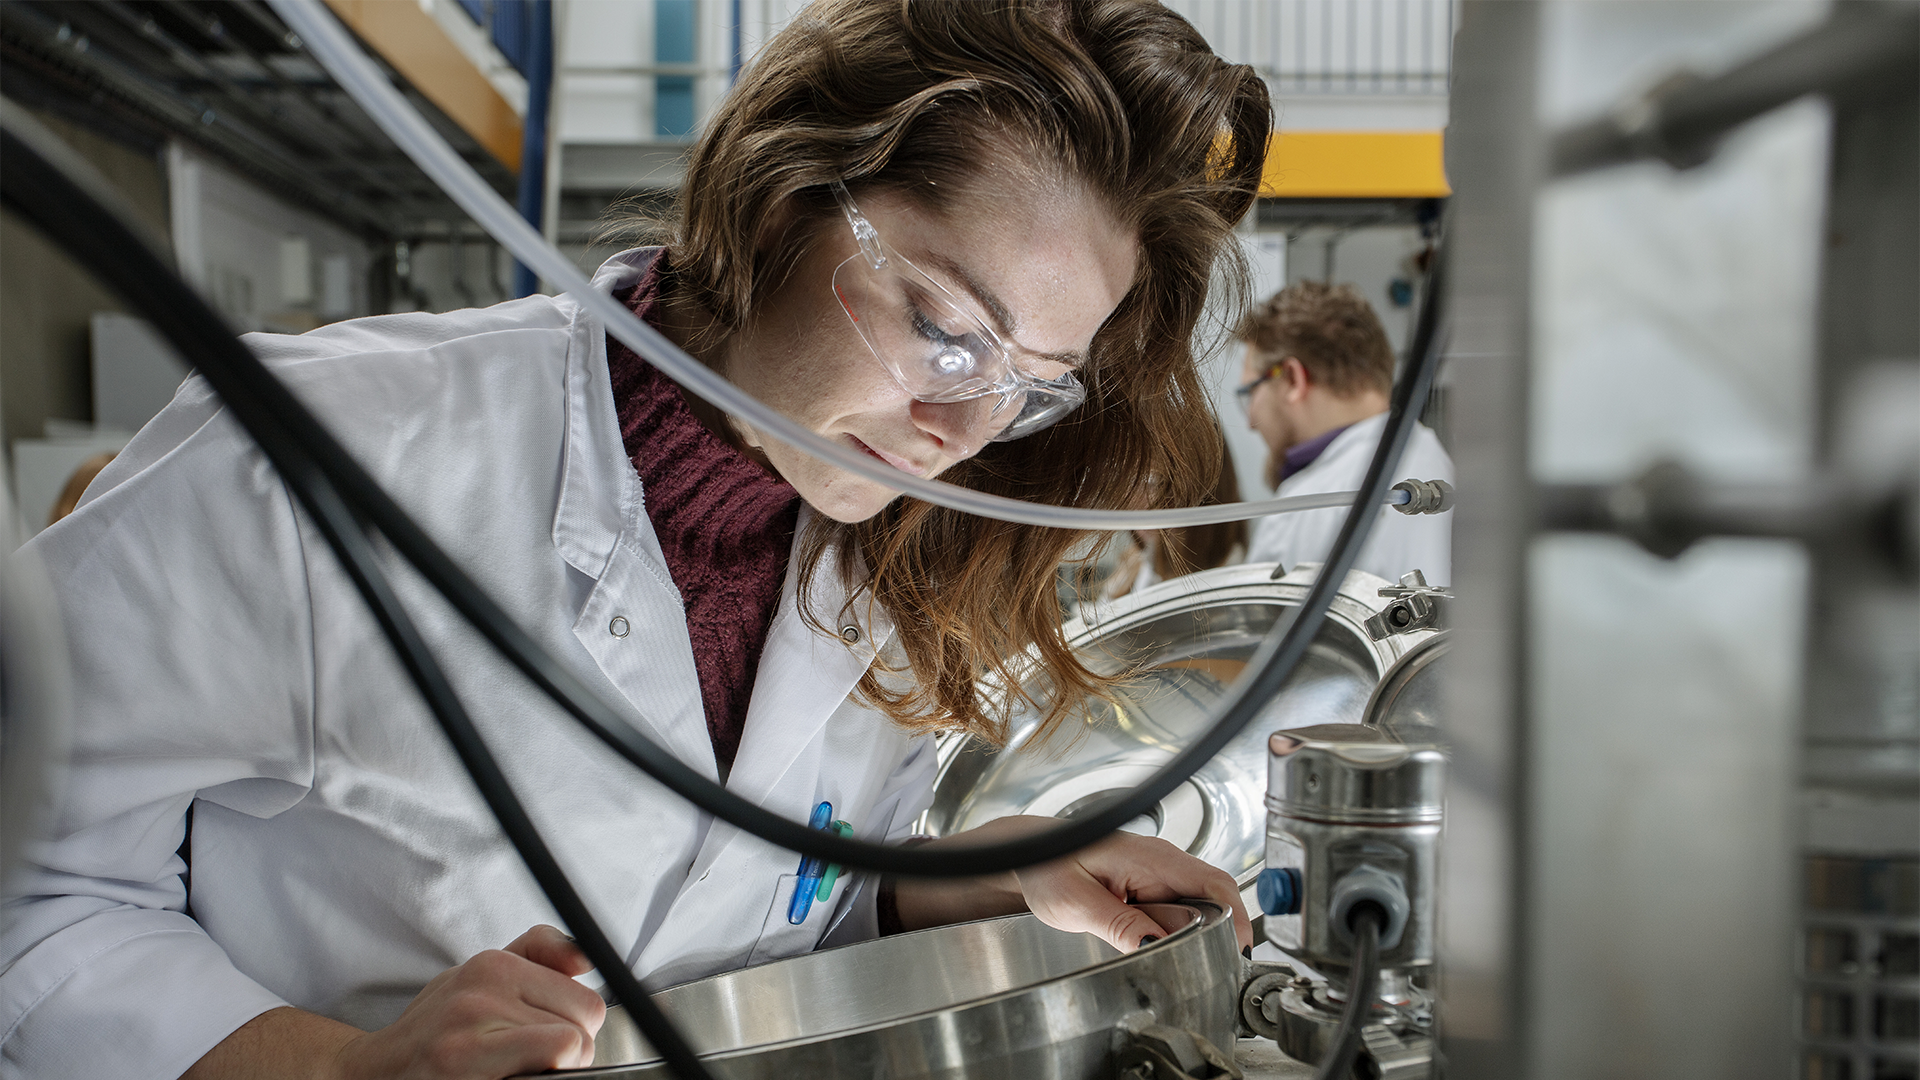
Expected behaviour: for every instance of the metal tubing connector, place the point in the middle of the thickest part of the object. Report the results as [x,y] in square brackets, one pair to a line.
[1425,496]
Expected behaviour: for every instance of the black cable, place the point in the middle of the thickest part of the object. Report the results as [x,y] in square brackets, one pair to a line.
[270,412]
[1362,989]
[317,467]
[355,551]
[38,189]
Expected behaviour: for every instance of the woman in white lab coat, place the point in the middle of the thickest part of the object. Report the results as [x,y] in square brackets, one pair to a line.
[1041,189]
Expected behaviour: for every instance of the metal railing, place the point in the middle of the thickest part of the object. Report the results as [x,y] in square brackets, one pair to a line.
[1298,46]
[1316,48]
[1354,47]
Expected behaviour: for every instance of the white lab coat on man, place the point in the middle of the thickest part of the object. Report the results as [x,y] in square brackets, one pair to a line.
[340,855]
[1400,542]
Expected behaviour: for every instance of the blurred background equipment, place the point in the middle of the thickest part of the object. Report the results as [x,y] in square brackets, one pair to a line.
[1682,833]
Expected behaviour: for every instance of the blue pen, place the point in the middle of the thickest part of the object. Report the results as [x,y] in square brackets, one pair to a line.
[810,870]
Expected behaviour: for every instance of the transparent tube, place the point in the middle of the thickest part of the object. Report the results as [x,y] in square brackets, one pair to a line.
[342,58]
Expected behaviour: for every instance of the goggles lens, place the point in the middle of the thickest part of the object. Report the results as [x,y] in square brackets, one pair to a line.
[940,352]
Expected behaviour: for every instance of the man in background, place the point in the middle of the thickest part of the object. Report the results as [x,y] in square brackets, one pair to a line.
[1317,374]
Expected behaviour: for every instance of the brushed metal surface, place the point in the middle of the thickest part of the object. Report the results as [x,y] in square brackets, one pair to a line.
[1344,798]
[1190,636]
[1409,703]
[1000,997]
[1352,773]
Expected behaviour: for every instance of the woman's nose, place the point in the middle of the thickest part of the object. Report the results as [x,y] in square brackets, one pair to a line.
[961,427]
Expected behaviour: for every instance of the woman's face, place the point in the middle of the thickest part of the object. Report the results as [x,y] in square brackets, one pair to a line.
[1043,265]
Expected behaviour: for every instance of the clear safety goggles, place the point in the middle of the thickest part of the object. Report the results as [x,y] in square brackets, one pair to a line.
[939,351]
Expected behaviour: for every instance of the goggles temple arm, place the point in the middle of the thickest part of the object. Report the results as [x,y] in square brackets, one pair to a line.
[863,229]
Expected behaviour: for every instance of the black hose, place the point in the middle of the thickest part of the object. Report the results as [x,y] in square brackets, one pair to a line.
[345,500]
[1362,989]
[355,551]
[271,413]
[69,216]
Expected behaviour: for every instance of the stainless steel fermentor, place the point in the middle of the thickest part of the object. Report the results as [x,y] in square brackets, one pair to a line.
[1006,997]
[1190,637]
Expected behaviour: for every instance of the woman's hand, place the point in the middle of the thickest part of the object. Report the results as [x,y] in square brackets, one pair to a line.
[503,1013]
[1086,892]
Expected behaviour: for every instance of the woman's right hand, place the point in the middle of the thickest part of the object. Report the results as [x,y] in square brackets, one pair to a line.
[505,1012]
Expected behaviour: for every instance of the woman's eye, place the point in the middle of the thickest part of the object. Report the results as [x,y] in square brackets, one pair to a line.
[926,327]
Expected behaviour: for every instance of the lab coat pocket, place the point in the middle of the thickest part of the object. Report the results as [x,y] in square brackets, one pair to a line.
[778,937]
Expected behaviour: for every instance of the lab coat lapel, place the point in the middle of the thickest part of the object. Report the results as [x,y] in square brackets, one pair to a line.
[633,623]
[804,674]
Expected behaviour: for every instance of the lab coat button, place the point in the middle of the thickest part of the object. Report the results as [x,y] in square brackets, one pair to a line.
[850,635]
[618,627]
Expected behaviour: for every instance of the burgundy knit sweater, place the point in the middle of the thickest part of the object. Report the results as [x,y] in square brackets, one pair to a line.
[725,525]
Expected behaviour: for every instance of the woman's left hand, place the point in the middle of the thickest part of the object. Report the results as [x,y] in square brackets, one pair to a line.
[1086,892]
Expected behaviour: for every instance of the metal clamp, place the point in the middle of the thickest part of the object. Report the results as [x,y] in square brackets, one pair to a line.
[1153,1051]
[1416,606]
[1398,1042]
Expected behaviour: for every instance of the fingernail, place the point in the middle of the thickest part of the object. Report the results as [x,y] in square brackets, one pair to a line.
[1148,940]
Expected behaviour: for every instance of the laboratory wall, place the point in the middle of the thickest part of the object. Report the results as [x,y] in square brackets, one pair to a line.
[47,301]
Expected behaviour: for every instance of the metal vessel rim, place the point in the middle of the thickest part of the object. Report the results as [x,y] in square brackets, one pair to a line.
[1248,581]
[1209,914]
[1394,680]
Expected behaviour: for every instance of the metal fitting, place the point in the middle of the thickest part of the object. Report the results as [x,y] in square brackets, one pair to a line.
[1425,496]
[1416,606]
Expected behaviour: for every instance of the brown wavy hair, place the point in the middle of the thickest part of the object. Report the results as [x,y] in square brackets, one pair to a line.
[1119,97]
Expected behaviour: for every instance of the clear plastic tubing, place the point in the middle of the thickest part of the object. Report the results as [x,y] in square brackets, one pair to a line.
[342,58]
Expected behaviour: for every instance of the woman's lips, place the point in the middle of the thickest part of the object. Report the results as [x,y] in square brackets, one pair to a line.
[900,463]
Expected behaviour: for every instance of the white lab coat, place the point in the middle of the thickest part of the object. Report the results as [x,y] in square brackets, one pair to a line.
[1400,542]
[340,855]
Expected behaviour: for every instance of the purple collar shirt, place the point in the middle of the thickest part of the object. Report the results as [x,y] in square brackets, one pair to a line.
[1301,455]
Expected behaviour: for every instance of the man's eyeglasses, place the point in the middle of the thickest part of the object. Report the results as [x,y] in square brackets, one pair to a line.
[1244,393]
[939,351]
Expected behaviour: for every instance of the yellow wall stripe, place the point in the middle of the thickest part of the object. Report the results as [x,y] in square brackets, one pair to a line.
[1355,165]
[421,52]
